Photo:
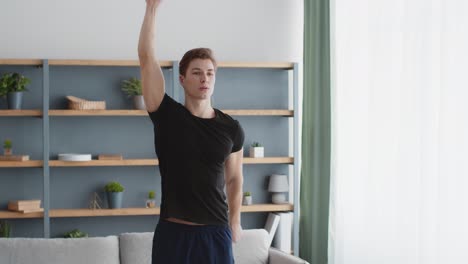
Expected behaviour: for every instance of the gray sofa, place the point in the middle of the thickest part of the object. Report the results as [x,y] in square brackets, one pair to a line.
[127,248]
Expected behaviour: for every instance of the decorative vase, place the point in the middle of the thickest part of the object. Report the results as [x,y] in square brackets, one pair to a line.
[14,100]
[139,102]
[114,199]
[150,203]
[7,151]
[256,152]
[247,200]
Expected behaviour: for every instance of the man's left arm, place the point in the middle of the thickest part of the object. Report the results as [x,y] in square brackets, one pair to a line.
[234,180]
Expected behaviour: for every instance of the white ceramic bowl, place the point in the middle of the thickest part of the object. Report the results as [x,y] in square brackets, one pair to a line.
[74,157]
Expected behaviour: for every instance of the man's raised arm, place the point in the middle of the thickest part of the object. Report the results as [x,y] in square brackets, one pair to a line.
[151,74]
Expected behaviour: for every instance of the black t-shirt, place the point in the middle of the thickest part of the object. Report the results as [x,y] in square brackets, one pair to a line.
[192,152]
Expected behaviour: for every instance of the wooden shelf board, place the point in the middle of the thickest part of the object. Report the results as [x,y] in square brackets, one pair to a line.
[92,163]
[20,113]
[60,213]
[103,212]
[267,208]
[16,215]
[269,160]
[128,162]
[259,112]
[21,164]
[34,62]
[156,211]
[277,65]
[164,64]
[121,112]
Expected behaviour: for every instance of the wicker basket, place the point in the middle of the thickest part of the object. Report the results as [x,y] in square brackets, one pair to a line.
[76,103]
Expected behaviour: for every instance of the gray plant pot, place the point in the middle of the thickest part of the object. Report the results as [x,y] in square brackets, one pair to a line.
[14,100]
[114,199]
[139,102]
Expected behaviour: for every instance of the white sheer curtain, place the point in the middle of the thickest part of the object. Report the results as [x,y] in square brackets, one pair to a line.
[399,183]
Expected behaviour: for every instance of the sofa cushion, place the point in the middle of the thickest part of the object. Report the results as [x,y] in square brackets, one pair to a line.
[135,248]
[99,250]
[252,247]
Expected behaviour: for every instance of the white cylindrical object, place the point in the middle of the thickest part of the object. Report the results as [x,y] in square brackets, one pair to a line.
[278,198]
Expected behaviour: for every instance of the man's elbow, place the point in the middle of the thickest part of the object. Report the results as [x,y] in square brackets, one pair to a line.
[145,57]
[234,181]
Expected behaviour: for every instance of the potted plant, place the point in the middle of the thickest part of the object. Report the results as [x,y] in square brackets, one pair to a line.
[13,85]
[75,233]
[256,150]
[6,81]
[114,192]
[5,229]
[151,202]
[132,88]
[7,147]
[247,199]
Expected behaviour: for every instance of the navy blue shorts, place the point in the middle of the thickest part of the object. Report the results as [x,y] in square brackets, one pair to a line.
[175,243]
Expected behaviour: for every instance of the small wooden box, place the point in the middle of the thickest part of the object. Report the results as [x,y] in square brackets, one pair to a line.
[24,205]
[110,157]
[14,157]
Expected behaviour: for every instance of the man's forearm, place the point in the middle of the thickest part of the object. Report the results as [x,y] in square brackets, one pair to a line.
[234,191]
[147,33]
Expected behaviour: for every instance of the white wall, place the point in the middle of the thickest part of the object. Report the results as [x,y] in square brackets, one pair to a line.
[237,30]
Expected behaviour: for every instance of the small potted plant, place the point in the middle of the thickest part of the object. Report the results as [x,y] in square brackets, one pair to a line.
[247,199]
[13,85]
[256,150]
[114,192]
[6,81]
[5,229]
[75,233]
[151,202]
[132,88]
[7,147]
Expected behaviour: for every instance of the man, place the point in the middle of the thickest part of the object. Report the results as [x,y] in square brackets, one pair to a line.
[200,151]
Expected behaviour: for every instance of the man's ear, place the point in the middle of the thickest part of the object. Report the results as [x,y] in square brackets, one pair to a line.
[181,79]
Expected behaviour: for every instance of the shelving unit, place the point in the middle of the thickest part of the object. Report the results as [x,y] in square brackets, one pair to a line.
[51,114]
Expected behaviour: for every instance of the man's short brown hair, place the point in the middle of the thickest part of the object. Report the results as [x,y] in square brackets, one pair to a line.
[198,53]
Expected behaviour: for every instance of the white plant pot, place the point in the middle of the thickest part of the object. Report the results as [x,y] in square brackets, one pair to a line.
[7,152]
[247,200]
[256,152]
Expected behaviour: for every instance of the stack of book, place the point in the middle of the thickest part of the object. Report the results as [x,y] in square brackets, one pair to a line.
[25,206]
[282,239]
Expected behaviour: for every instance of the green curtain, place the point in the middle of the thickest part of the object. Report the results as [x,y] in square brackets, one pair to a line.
[315,172]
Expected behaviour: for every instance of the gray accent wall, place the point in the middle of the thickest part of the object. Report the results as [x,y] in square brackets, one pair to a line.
[72,187]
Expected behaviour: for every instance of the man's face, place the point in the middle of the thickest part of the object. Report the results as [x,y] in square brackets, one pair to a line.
[199,79]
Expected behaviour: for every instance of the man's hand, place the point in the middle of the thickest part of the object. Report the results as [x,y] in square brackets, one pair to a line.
[236,230]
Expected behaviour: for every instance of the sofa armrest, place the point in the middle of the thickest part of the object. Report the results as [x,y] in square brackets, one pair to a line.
[276,256]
